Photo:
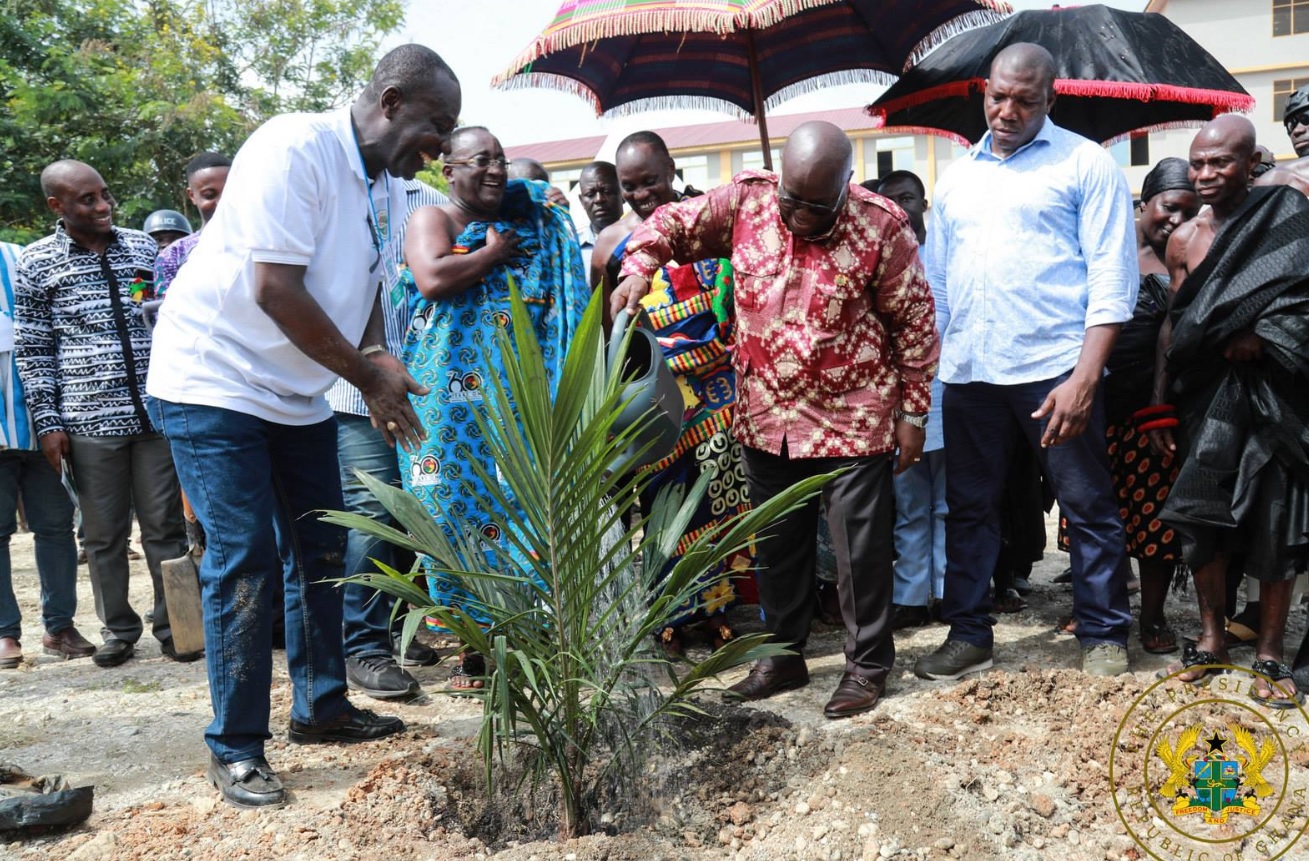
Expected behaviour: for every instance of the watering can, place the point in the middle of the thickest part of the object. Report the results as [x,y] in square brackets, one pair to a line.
[651,394]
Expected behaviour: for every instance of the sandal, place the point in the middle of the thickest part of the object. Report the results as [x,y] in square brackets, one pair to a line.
[719,632]
[1066,626]
[1239,634]
[468,677]
[1008,601]
[1192,656]
[1158,639]
[670,641]
[1274,671]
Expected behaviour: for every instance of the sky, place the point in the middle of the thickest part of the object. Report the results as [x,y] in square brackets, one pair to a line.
[481,38]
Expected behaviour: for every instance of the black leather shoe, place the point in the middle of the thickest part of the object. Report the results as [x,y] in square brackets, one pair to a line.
[380,677]
[353,725]
[113,653]
[768,677]
[909,616]
[854,695]
[248,783]
[417,655]
[170,651]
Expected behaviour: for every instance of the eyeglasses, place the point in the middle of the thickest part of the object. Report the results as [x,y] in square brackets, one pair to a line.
[482,162]
[377,245]
[787,202]
[1299,119]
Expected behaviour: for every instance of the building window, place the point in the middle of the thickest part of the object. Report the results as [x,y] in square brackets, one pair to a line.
[883,155]
[1133,152]
[693,170]
[1290,17]
[753,159]
[1281,92]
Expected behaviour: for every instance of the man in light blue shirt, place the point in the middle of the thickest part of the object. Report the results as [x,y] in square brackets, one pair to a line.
[1033,264]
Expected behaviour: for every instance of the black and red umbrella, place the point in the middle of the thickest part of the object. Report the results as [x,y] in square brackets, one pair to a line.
[1117,73]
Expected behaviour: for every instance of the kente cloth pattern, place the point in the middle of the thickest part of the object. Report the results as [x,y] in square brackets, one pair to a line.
[1244,478]
[697,343]
[450,346]
[833,333]
[1142,481]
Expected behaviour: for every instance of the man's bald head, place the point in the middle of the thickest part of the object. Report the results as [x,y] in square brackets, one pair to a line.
[59,176]
[1230,128]
[1221,162]
[817,163]
[1026,58]
[528,168]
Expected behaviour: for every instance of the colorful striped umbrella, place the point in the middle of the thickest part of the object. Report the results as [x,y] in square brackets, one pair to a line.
[1117,73]
[742,56]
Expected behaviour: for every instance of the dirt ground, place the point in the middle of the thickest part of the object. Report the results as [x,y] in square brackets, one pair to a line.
[1008,765]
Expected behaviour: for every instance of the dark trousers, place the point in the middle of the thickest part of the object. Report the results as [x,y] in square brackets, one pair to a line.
[115,474]
[861,516]
[983,425]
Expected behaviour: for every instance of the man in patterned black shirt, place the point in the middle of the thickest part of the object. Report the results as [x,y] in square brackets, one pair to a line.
[83,350]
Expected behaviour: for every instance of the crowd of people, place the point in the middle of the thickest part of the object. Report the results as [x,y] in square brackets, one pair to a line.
[1144,363]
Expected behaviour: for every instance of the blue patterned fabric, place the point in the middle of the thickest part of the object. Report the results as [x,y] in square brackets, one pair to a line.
[446,348]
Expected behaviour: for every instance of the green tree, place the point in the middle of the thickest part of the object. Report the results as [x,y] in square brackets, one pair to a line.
[136,88]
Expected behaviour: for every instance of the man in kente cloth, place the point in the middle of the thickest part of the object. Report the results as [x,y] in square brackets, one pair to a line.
[1237,358]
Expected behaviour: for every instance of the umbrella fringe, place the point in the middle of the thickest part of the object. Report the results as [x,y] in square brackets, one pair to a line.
[959,89]
[1222,100]
[549,81]
[679,103]
[1173,125]
[967,21]
[891,131]
[831,79]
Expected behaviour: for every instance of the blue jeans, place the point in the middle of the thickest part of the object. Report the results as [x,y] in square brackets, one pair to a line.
[983,423]
[920,531]
[243,475]
[367,611]
[27,474]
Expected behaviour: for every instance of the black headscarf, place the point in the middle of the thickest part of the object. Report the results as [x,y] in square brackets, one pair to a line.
[1170,174]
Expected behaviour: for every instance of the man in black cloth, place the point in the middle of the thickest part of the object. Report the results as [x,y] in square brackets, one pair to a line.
[1295,116]
[1237,354]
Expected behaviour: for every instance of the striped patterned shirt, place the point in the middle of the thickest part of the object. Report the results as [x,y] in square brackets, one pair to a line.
[15,424]
[82,344]
[343,397]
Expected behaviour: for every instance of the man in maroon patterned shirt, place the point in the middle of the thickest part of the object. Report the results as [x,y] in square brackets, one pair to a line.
[835,348]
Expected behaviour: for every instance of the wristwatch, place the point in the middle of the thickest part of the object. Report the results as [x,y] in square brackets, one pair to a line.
[918,420]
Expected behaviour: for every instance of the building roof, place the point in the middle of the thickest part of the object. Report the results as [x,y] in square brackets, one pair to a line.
[728,133]
[553,152]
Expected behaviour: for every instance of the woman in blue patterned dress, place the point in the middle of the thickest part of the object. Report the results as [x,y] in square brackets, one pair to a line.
[460,257]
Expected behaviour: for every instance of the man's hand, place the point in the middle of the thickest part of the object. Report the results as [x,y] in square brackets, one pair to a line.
[1162,442]
[1244,347]
[628,295]
[54,446]
[1069,407]
[557,197]
[502,246]
[387,397]
[909,440]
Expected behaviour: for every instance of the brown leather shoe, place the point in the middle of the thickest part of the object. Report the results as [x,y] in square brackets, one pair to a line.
[854,695]
[67,644]
[768,677]
[11,653]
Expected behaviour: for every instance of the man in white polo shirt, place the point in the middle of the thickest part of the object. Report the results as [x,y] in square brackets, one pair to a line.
[278,299]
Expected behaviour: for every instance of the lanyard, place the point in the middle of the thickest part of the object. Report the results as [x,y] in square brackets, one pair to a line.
[378,232]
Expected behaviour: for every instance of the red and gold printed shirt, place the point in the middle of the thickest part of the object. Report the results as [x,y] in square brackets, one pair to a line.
[833,333]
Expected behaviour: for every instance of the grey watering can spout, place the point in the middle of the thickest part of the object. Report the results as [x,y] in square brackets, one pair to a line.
[653,400]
